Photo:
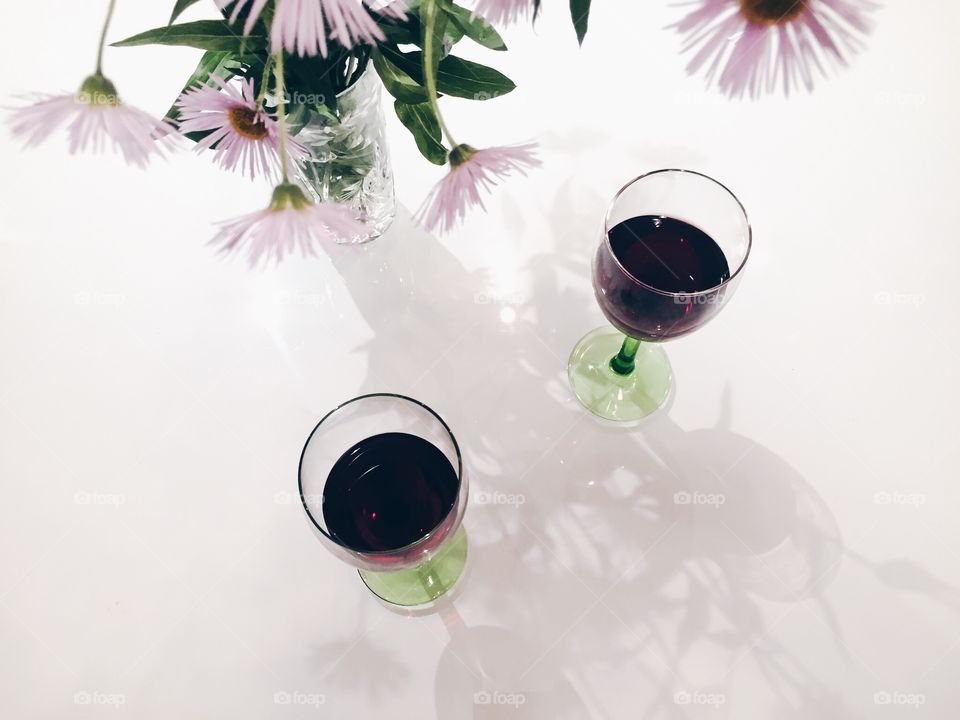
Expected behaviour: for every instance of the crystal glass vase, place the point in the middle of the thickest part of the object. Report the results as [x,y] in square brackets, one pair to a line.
[350,162]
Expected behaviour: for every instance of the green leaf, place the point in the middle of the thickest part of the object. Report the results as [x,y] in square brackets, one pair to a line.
[475,28]
[452,34]
[214,35]
[398,82]
[180,7]
[410,30]
[422,123]
[466,79]
[220,63]
[580,12]
[400,34]
[455,76]
[311,76]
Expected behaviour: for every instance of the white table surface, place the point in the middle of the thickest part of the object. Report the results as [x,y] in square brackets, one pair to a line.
[154,399]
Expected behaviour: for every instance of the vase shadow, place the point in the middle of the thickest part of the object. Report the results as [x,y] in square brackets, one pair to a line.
[413,294]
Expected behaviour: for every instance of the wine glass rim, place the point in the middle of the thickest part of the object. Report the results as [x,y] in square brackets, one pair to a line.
[667,293]
[395,396]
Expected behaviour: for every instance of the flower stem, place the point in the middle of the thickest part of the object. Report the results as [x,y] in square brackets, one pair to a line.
[103,36]
[623,362]
[265,79]
[282,116]
[429,12]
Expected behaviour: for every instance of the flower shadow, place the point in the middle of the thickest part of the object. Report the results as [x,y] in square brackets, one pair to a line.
[599,556]
[595,548]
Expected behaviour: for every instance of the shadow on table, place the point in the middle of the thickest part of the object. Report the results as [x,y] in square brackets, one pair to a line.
[358,664]
[652,553]
[634,549]
[415,296]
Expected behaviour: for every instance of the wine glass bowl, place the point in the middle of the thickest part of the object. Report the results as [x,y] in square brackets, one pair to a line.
[382,482]
[674,246]
[675,304]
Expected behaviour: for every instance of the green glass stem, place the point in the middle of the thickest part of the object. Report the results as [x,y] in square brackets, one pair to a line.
[426,582]
[617,380]
[623,363]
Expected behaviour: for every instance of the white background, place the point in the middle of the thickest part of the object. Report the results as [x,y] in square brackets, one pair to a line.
[154,398]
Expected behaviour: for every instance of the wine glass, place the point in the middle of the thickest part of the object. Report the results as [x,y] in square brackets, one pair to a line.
[674,245]
[381,479]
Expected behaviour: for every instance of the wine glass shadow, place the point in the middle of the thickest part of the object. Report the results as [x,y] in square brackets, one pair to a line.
[358,664]
[476,678]
[759,518]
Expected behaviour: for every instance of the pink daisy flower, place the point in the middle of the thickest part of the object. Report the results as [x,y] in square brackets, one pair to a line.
[472,170]
[301,26]
[95,118]
[291,221]
[256,7]
[748,47]
[502,12]
[241,133]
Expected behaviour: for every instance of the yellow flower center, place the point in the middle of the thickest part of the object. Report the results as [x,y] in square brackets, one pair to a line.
[248,123]
[772,12]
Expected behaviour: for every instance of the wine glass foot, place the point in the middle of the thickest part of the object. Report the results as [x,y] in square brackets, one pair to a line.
[615,397]
[423,584]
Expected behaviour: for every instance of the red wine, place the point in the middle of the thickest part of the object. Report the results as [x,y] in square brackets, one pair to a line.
[650,286]
[387,492]
[669,255]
